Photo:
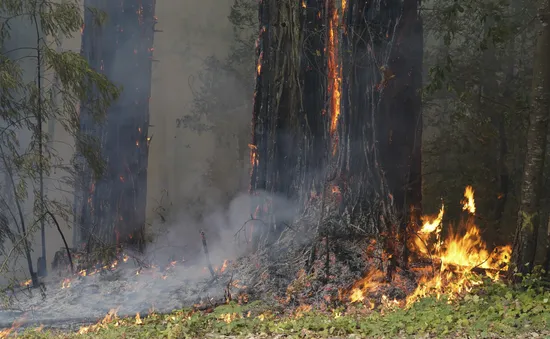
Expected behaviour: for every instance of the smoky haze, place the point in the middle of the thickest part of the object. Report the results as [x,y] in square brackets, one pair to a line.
[195,182]
[163,288]
[186,170]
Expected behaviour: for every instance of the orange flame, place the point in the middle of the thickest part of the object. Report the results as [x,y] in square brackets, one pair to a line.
[334,70]
[66,283]
[460,254]
[459,257]
[259,66]
[5,333]
[109,318]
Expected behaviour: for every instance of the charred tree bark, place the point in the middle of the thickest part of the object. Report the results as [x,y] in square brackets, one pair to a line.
[381,128]
[337,104]
[288,124]
[112,208]
[401,122]
[525,242]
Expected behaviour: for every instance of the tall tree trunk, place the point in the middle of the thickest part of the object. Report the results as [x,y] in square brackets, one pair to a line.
[113,207]
[382,80]
[337,104]
[525,242]
[288,124]
[488,96]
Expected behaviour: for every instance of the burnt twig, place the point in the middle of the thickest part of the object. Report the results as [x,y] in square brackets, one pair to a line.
[205,247]
[327,259]
[210,305]
[228,296]
[64,240]
[246,222]
[311,259]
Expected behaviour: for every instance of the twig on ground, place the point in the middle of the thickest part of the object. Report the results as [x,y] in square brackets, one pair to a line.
[208,306]
[309,263]
[205,247]
[246,222]
[227,293]
[64,240]
[427,249]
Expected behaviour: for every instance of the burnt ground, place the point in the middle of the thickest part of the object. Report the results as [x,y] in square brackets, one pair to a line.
[73,300]
[76,300]
[279,273]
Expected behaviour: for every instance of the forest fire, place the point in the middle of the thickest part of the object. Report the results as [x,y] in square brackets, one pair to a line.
[5,333]
[458,260]
[109,318]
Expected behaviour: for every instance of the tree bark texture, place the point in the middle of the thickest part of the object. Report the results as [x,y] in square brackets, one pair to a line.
[337,104]
[525,242]
[112,208]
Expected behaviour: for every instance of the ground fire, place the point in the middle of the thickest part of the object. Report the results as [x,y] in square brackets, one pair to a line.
[458,260]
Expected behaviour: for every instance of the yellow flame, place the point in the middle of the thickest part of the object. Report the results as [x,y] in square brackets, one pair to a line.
[458,256]
[366,285]
[429,226]
[138,319]
[469,202]
[66,283]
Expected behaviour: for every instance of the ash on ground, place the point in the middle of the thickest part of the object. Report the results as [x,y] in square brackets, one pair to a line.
[126,288]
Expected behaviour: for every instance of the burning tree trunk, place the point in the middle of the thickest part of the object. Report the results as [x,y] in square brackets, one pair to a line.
[380,124]
[337,104]
[112,208]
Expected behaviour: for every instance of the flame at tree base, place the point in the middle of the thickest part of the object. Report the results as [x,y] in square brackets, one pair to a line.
[458,262]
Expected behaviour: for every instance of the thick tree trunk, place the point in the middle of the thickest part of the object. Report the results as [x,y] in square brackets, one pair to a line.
[337,104]
[525,242]
[382,79]
[288,123]
[113,207]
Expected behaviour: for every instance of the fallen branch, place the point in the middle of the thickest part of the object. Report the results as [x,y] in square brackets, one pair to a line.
[210,305]
[205,247]
[460,268]
[64,240]
[246,222]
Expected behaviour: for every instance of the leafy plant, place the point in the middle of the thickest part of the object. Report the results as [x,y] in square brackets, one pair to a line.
[29,99]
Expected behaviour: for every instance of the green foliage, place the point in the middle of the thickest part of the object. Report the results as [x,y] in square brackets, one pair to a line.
[494,311]
[39,84]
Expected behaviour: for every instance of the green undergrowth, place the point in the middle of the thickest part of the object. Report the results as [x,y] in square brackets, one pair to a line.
[494,310]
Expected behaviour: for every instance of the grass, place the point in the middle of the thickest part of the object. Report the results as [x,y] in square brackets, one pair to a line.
[495,310]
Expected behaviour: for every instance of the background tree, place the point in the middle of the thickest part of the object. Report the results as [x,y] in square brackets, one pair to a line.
[27,102]
[111,208]
[478,58]
[525,241]
[336,116]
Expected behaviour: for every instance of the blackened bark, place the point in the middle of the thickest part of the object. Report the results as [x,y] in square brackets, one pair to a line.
[381,121]
[314,95]
[525,242]
[373,156]
[403,153]
[113,207]
[288,123]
